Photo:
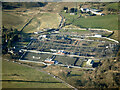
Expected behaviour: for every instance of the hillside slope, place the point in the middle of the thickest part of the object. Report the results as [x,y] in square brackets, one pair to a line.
[107,75]
[19,76]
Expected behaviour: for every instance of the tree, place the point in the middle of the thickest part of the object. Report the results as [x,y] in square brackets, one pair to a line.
[112,7]
[9,36]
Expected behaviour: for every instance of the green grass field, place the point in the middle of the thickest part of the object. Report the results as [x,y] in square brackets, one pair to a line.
[13,20]
[18,76]
[105,22]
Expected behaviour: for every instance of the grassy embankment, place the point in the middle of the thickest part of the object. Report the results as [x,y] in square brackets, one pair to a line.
[39,21]
[17,76]
[13,20]
[43,20]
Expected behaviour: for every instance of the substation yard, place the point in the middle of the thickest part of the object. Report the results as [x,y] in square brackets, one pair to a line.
[75,47]
[77,51]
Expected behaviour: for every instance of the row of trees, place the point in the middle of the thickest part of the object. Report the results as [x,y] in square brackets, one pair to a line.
[9,37]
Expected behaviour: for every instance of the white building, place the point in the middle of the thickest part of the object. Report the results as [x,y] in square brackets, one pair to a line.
[90,62]
[84,9]
[53,50]
[72,13]
[97,35]
[38,32]
[44,36]
[97,13]
[94,11]
[35,32]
